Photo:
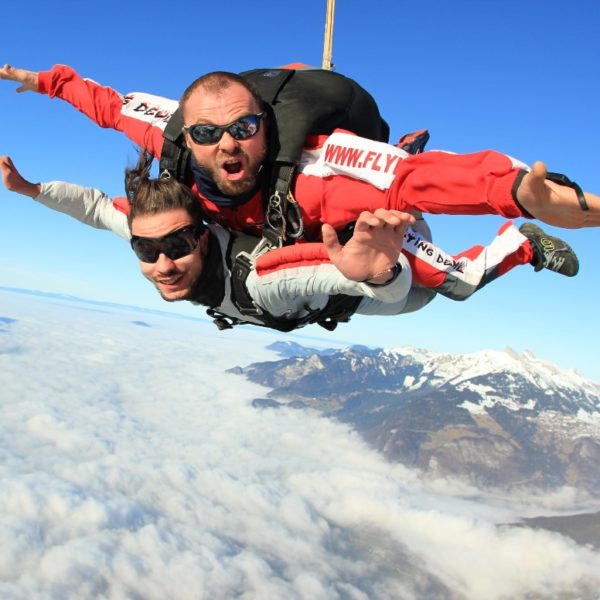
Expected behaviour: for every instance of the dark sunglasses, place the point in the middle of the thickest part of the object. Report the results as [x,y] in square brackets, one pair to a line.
[173,245]
[240,129]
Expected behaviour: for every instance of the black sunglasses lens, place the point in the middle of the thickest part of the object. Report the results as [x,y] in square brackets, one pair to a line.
[173,246]
[176,247]
[146,250]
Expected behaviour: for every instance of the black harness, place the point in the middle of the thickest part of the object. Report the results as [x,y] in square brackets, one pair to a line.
[300,103]
[338,309]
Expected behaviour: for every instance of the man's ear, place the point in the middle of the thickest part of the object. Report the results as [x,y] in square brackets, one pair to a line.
[186,137]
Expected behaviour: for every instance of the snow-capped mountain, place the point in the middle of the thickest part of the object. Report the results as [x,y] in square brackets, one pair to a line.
[496,418]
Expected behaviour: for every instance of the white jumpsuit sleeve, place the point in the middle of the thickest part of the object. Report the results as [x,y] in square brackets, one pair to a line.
[88,205]
[296,291]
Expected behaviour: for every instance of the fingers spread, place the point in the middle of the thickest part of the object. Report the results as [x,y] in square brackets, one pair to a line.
[382,218]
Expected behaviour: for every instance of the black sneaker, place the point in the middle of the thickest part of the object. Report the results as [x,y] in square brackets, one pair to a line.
[550,252]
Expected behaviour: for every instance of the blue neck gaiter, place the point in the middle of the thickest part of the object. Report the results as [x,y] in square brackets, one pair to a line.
[208,188]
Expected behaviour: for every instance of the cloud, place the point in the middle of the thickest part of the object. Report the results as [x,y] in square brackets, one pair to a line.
[134,466]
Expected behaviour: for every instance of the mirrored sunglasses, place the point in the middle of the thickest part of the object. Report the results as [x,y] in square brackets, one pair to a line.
[240,129]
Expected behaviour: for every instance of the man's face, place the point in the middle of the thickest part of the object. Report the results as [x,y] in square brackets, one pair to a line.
[232,164]
[174,279]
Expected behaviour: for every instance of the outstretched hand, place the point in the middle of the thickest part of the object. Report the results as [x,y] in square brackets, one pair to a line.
[374,247]
[14,181]
[556,204]
[28,79]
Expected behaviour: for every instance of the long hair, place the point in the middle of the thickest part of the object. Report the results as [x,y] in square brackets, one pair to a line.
[149,196]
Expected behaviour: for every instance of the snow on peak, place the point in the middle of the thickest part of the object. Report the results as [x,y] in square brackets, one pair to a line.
[463,369]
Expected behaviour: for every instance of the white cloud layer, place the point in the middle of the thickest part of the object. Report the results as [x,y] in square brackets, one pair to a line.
[133,466]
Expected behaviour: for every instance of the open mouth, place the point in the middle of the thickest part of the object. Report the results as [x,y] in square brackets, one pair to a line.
[233,167]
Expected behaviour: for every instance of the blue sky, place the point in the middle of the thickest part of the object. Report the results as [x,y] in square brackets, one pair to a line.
[518,77]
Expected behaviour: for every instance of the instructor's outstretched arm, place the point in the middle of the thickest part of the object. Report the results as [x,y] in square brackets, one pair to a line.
[556,204]
[27,79]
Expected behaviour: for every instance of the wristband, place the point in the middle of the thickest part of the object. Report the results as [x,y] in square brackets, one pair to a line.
[395,270]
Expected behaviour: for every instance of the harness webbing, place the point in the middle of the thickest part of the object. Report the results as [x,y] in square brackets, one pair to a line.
[338,309]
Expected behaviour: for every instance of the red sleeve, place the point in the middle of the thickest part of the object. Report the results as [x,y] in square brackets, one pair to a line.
[458,184]
[289,257]
[141,117]
[344,174]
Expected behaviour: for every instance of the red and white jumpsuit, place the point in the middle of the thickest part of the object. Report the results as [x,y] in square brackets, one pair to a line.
[341,175]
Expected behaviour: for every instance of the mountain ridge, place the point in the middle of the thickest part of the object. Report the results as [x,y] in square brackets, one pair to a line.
[494,418]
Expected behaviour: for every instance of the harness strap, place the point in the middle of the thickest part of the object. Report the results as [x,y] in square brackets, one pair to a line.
[242,265]
[222,321]
[174,156]
[564,180]
[283,218]
[338,309]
